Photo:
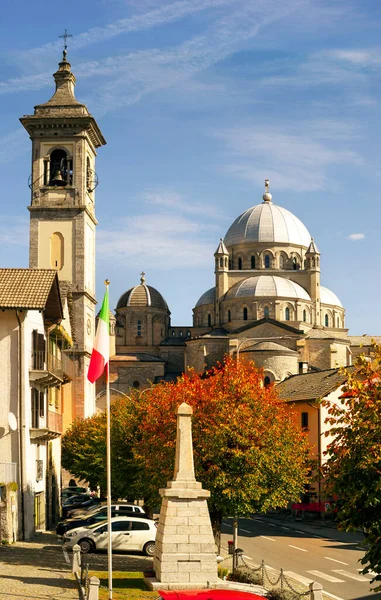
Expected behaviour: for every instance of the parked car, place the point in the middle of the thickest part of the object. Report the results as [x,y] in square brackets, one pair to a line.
[137,511]
[96,515]
[72,490]
[127,533]
[79,501]
[207,595]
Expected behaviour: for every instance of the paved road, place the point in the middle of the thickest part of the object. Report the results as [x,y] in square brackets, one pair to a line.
[307,552]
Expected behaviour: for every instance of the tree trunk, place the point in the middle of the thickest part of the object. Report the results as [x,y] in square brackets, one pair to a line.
[216,519]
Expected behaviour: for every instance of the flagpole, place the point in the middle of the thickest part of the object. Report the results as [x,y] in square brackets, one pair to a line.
[108,469]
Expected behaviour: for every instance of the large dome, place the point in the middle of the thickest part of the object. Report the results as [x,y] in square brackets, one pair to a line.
[267,222]
[207,297]
[142,295]
[328,297]
[267,286]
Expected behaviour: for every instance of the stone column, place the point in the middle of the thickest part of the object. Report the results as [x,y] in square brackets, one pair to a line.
[185,552]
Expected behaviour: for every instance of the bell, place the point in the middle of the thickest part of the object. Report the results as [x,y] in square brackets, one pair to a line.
[57,178]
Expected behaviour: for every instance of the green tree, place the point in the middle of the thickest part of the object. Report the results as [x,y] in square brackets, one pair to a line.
[353,467]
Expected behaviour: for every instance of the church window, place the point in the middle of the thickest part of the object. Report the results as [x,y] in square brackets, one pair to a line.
[139,328]
[295,264]
[266,312]
[304,420]
[136,383]
[287,314]
[188,333]
[229,316]
[281,262]
[305,316]
[253,262]
[304,263]
[226,261]
[57,251]
[338,322]
[173,333]
[60,169]
[180,333]
[326,320]
[267,261]
[221,262]
[209,320]
[240,264]
[267,381]
[245,314]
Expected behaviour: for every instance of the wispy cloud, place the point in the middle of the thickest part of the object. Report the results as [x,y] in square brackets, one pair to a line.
[13,144]
[13,230]
[293,160]
[355,237]
[160,240]
[170,201]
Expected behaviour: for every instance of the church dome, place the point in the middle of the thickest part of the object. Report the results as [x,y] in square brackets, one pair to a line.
[207,298]
[267,286]
[142,295]
[269,223]
[328,297]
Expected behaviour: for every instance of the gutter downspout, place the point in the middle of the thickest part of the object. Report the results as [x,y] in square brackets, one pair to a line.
[21,422]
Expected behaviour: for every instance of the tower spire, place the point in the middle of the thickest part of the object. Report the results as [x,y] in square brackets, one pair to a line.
[65,35]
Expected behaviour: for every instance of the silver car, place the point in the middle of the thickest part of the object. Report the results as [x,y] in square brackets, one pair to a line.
[127,533]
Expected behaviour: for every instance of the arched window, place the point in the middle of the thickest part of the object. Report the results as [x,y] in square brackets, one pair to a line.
[136,383]
[188,333]
[253,262]
[287,314]
[57,250]
[295,264]
[338,322]
[266,312]
[326,320]
[245,314]
[221,262]
[209,320]
[226,261]
[240,264]
[267,381]
[173,333]
[305,316]
[139,328]
[229,316]
[267,261]
[180,333]
[60,172]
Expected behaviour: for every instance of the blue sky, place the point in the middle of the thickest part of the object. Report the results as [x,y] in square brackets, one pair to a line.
[200,101]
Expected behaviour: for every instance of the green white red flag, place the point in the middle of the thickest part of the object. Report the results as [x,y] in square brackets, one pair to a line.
[101,351]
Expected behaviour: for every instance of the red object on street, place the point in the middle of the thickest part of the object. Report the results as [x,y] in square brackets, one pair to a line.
[208,595]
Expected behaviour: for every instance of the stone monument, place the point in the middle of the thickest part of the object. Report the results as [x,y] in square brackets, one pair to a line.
[185,555]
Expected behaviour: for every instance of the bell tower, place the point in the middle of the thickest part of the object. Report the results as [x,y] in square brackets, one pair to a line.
[65,138]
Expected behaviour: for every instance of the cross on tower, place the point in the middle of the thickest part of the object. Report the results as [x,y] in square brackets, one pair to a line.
[65,35]
[142,279]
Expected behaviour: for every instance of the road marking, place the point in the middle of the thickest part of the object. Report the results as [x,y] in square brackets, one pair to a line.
[371,573]
[297,531]
[298,577]
[332,596]
[321,575]
[297,548]
[245,530]
[287,528]
[338,561]
[267,538]
[351,575]
[271,524]
[66,556]
[317,536]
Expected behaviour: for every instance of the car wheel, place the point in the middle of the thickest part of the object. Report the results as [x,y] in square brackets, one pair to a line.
[86,545]
[149,548]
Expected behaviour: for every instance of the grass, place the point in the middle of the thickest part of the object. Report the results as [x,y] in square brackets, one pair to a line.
[124,585]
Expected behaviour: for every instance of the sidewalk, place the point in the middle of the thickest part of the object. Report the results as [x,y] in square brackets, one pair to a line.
[36,570]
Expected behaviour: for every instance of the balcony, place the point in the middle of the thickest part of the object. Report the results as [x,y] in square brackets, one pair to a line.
[46,369]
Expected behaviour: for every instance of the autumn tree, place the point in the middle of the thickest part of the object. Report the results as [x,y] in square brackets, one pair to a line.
[353,467]
[248,448]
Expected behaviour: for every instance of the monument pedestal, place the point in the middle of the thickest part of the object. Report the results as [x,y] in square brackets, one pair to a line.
[185,555]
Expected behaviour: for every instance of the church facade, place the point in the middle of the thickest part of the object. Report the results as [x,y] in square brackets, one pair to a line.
[267,304]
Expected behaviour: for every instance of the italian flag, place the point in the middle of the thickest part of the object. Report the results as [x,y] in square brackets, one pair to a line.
[101,351]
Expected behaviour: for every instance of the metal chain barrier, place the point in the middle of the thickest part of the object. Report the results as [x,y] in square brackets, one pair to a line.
[282,579]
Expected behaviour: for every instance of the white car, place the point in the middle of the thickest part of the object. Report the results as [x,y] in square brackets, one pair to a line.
[128,533]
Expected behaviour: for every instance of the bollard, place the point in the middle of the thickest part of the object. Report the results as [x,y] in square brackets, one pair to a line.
[76,567]
[93,588]
[316,591]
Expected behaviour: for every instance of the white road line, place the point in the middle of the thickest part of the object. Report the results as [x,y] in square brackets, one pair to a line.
[321,575]
[271,525]
[372,573]
[297,531]
[332,596]
[298,577]
[287,528]
[267,538]
[66,556]
[351,575]
[297,548]
[335,560]
[317,536]
[245,530]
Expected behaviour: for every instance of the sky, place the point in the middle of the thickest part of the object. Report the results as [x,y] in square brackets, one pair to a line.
[200,101]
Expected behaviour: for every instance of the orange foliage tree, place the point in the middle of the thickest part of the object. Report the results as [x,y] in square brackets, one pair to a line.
[249,450]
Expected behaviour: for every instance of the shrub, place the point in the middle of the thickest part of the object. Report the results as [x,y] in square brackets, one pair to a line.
[245,575]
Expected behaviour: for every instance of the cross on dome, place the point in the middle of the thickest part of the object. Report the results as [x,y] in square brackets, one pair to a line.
[142,278]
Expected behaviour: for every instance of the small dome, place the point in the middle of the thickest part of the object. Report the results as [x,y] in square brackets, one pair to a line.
[269,347]
[207,298]
[267,222]
[267,286]
[142,295]
[328,297]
